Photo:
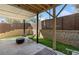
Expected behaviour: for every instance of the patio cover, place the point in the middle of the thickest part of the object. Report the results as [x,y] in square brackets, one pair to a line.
[23,11]
[14,13]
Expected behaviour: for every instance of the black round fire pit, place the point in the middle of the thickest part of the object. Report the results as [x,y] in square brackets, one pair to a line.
[20,40]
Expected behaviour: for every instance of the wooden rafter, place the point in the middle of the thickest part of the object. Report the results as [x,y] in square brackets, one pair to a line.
[61,9]
[12,12]
[42,7]
[35,8]
[28,8]
[25,7]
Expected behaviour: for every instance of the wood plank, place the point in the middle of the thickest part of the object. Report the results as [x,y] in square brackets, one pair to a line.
[35,8]
[54,29]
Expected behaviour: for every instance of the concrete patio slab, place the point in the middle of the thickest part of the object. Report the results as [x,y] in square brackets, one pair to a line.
[29,47]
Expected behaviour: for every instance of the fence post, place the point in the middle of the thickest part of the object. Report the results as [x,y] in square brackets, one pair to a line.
[24,28]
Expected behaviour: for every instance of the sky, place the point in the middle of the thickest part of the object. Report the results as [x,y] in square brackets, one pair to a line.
[69,9]
[2,19]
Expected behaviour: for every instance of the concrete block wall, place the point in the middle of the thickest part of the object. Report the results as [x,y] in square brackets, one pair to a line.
[70,37]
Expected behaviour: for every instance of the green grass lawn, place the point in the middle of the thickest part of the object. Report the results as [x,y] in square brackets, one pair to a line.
[59,46]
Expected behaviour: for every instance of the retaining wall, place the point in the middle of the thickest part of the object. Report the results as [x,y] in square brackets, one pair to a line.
[70,37]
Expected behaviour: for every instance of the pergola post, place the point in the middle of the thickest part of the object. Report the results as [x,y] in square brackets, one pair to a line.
[54,28]
[24,28]
[37,27]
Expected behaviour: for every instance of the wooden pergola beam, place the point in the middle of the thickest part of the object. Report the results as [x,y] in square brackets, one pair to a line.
[54,28]
[49,14]
[54,25]
[61,10]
